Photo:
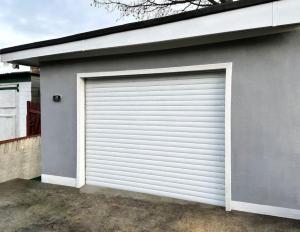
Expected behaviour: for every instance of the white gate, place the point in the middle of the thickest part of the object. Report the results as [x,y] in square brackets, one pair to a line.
[8,114]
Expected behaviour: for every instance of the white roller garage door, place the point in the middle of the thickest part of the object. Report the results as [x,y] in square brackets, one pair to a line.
[162,135]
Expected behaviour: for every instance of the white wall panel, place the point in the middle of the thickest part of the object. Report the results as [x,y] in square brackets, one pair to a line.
[8,112]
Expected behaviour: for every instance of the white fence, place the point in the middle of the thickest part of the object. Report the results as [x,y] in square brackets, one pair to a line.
[20,158]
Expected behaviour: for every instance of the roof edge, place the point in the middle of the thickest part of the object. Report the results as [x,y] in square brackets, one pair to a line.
[17,74]
[138,25]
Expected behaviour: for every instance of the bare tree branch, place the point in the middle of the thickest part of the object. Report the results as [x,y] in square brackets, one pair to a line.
[141,9]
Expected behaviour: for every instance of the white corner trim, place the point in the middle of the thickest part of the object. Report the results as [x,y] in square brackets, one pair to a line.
[227,67]
[59,180]
[80,132]
[266,210]
[228,84]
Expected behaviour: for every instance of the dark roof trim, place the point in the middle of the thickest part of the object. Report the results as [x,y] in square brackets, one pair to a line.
[18,75]
[138,25]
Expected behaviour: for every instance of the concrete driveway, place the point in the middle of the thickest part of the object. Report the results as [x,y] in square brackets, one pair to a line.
[30,206]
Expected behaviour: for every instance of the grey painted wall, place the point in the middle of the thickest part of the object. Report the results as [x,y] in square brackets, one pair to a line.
[265,111]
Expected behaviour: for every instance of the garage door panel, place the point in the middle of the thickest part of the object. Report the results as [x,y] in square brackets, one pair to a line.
[206,116]
[192,86]
[174,163]
[126,157]
[154,148]
[206,187]
[163,115]
[208,160]
[169,138]
[96,132]
[96,141]
[159,153]
[159,93]
[206,197]
[154,168]
[209,171]
[169,193]
[162,135]
[208,191]
[160,150]
[158,185]
[201,179]
[155,109]
[176,79]
[173,98]
[193,122]
[159,80]
[126,125]
[158,102]
[166,117]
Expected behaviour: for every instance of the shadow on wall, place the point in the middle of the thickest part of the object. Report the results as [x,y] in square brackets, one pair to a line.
[20,158]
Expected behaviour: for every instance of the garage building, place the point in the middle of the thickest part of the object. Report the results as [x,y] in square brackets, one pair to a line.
[201,106]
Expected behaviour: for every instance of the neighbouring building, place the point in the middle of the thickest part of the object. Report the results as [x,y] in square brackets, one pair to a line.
[16,89]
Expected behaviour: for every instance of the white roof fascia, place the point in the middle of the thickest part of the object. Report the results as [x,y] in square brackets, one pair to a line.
[279,13]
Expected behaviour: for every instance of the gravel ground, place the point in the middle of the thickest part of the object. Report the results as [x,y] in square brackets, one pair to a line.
[30,206]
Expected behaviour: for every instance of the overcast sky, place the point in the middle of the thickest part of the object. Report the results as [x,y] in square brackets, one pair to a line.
[25,21]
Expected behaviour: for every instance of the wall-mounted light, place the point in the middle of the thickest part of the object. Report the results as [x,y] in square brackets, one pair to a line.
[56,98]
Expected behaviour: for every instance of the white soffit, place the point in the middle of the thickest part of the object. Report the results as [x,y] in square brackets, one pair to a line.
[278,13]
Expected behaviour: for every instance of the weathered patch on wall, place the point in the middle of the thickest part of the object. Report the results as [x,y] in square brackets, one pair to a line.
[20,158]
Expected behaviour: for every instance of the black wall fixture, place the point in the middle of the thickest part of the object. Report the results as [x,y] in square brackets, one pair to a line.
[56,98]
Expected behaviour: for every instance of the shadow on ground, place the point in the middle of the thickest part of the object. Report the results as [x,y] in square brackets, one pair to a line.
[30,206]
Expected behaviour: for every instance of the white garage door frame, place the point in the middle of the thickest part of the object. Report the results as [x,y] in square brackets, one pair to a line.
[81,77]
